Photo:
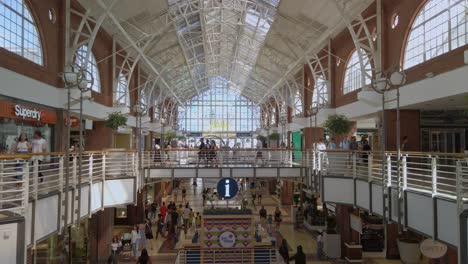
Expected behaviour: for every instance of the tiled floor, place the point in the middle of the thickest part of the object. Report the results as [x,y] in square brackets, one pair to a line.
[294,237]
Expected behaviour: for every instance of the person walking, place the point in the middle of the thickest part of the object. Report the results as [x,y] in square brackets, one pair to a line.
[300,257]
[163,211]
[144,258]
[135,240]
[320,246]
[149,232]
[263,214]
[184,194]
[284,251]
[186,217]
[299,218]
[191,217]
[278,218]
[39,147]
[116,244]
[159,226]
[142,231]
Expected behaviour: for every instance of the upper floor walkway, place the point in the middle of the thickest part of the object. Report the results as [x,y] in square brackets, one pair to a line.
[426,192]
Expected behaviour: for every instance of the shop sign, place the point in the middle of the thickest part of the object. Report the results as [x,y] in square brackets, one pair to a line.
[27,113]
[433,249]
[74,121]
[227,239]
[24,112]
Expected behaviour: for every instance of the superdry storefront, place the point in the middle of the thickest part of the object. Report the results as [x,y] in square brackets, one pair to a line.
[18,117]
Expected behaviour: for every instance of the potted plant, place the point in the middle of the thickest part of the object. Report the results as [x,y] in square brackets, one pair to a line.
[261,138]
[331,239]
[115,120]
[338,125]
[408,249]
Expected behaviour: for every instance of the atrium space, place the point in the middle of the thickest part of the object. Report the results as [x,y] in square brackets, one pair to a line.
[234,131]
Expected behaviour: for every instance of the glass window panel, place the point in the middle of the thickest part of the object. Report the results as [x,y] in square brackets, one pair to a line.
[18,32]
[439,27]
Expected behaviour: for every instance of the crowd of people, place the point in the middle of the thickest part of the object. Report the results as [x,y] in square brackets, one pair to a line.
[169,222]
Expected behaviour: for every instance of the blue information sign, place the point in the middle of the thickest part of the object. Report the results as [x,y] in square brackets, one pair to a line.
[227,188]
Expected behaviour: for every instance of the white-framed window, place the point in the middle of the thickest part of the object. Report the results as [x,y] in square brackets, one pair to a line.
[440,26]
[353,74]
[122,95]
[320,95]
[18,31]
[298,106]
[80,60]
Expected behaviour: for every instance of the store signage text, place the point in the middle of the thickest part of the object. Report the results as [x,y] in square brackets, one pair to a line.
[27,113]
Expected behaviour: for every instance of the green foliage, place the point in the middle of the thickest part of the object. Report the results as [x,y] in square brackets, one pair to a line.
[331,225]
[296,198]
[261,138]
[169,136]
[115,120]
[274,136]
[338,125]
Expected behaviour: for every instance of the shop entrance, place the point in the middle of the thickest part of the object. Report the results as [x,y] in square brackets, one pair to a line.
[443,140]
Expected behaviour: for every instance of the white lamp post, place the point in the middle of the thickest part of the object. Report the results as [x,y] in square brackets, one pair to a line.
[74,77]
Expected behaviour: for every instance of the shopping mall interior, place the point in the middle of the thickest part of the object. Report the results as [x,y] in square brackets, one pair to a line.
[234,131]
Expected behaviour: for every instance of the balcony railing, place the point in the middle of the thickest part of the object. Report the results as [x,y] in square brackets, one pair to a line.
[440,174]
[265,255]
[226,158]
[23,177]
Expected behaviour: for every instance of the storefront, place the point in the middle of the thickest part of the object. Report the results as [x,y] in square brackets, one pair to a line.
[18,117]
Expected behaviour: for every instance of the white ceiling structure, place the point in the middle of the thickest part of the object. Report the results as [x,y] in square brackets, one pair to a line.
[254,45]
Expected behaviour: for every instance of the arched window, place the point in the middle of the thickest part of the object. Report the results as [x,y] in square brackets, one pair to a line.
[80,60]
[353,73]
[18,32]
[122,95]
[440,26]
[320,95]
[219,110]
[298,107]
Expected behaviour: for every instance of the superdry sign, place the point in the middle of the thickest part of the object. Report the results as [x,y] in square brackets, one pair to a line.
[23,112]
[27,112]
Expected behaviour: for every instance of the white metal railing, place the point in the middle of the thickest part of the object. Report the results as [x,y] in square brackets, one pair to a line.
[440,174]
[226,158]
[258,255]
[26,176]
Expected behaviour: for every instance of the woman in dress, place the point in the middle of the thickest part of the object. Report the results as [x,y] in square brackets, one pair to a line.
[135,240]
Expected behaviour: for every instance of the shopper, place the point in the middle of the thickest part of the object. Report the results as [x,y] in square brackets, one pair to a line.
[320,246]
[39,147]
[186,217]
[144,258]
[142,231]
[149,232]
[163,211]
[300,257]
[198,220]
[278,218]
[366,148]
[284,251]
[191,217]
[115,246]
[259,155]
[135,240]
[299,218]
[22,146]
[331,144]
[184,194]
[159,226]
[263,213]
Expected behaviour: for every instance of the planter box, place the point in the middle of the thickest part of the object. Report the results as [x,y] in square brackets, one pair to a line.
[409,252]
[332,245]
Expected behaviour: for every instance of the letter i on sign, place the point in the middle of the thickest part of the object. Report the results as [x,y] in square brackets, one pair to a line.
[226,186]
